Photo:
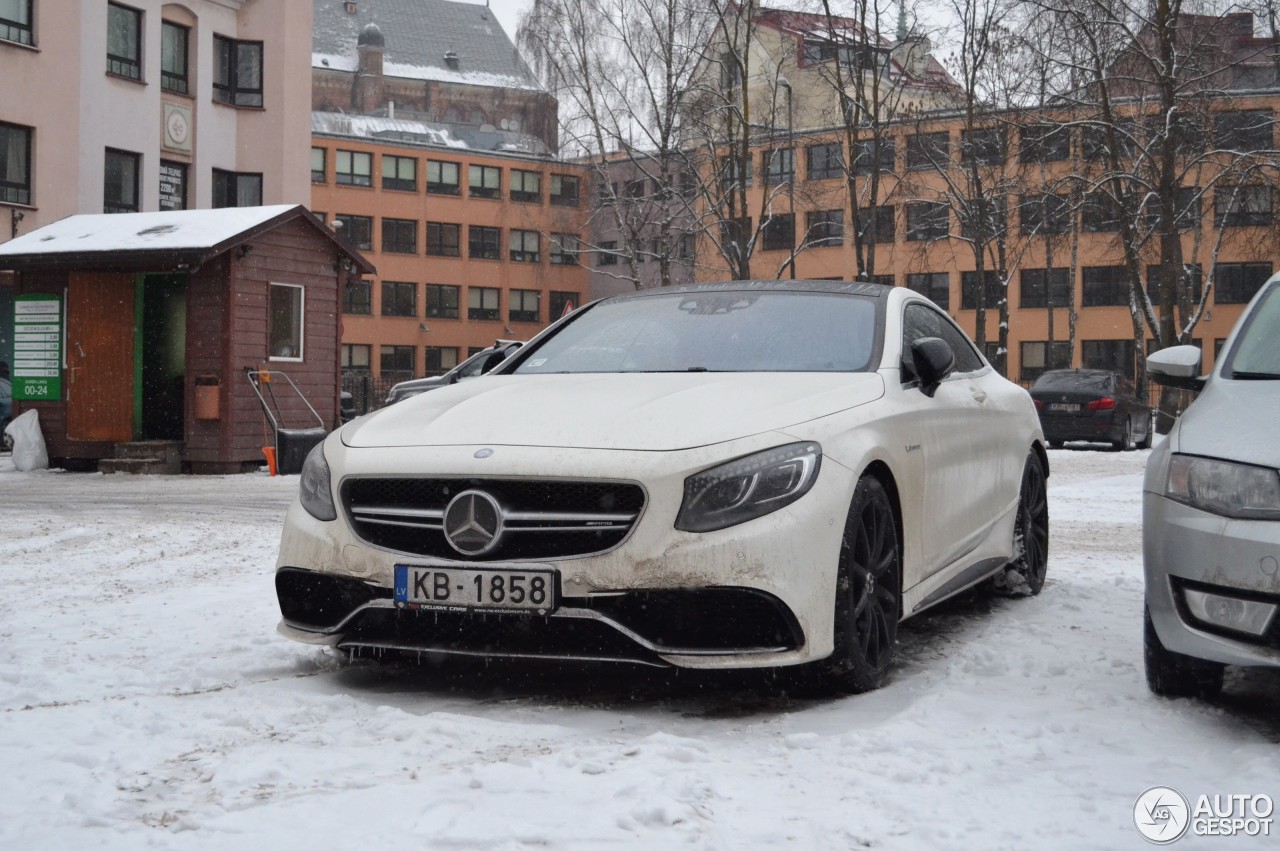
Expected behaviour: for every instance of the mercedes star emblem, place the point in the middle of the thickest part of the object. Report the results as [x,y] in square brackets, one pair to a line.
[473,523]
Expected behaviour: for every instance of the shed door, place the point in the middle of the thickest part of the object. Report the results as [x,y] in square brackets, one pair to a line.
[100,315]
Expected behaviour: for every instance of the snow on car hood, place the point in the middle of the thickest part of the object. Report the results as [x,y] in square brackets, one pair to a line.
[641,411]
[1233,420]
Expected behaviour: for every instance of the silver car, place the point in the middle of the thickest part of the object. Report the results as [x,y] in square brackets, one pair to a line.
[1211,512]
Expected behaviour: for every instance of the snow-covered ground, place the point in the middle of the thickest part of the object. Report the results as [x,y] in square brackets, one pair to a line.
[146,702]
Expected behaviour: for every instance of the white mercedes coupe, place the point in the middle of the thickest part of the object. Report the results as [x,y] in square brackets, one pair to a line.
[729,475]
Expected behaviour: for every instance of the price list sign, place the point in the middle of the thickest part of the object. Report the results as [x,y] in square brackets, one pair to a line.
[37,348]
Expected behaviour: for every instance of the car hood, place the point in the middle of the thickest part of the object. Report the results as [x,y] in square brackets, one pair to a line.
[1233,420]
[639,411]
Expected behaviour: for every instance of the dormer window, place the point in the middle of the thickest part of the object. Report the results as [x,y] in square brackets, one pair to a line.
[451,59]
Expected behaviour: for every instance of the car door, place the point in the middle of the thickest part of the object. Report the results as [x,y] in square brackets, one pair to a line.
[962,444]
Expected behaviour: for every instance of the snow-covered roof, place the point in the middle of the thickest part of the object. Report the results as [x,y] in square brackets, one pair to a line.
[418,35]
[181,235]
[377,126]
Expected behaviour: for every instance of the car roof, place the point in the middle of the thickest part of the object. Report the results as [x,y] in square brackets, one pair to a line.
[862,288]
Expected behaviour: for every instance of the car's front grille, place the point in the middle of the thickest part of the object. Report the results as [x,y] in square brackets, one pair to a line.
[541,518]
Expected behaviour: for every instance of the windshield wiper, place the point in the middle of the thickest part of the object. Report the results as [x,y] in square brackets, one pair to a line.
[1255,376]
[697,369]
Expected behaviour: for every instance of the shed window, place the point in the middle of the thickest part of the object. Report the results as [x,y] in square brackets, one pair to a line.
[286,306]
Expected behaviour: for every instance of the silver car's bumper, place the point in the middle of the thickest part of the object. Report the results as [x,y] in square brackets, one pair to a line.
[1185,549]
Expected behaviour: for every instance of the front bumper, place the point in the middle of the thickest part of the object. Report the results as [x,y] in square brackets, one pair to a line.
[757,594]
[1185,548]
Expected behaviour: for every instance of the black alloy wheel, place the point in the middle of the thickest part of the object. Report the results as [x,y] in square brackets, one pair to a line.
[1024,576]
[868,592]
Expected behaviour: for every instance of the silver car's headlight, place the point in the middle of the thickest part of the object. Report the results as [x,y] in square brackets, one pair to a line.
[749,487]
[313,486]
[1234,490]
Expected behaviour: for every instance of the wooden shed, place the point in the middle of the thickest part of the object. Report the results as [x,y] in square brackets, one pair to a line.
[135,334]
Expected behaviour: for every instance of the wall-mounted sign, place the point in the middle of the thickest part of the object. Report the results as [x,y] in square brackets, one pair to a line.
[37,348]
[173,185]
[177,127]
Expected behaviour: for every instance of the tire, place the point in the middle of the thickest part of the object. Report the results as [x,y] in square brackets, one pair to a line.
[1125,443]
[1171,674]
[1024,575]
[868,593]
[1146,438]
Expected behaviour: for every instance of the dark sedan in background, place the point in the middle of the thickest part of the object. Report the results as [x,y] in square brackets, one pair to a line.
[1093,405]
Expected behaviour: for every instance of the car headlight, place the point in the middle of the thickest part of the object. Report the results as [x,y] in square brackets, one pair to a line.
[749,487]
[1234,490]
[313,486]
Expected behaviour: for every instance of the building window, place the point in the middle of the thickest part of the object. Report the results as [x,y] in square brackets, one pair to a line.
[928,150]
[525,306]
[173,57]
[15,164]
[1044,143]
[484,243]
[1187,214]
[400,236]
[356,357]
[985,146]
[317,165]
[358,230]
[984,218]
[173,185]
[1242,206]
[824,161]
[400,173]
[935,286]
[482,302]
[524,246]
[1105,286]
[442,178]
[1095,140]
[1045,214]
[564,190]
[731,173]
[825,229]
[1192,274]
[237,71]
[443,239]
[396,363]
[120,186]
[1045,288]
[484,181]
[779,166]
[607,253]
[287,308]
[353,168]
[124,41]
[1038,356]
[15,21]
[877,224]
[526,186]
[564,249]
[442,301]
[1113,355]
[870,156]
[399,298]
[634,189]
[1100,213]
[1246,130]
[780,232]
[236,189]
[440,359]
[1237,283]
[927,221]
[992,292]
[561,304]
[357,297]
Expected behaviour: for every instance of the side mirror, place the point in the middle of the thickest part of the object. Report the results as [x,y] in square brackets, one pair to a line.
[493,360]
[934,361]
[1176,366]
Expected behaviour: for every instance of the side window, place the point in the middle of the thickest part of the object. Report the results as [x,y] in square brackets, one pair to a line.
[919,321]
[472,369]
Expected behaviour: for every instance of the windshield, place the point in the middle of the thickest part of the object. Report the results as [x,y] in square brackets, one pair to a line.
[1256,353]
[715,331]
[1093,381]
